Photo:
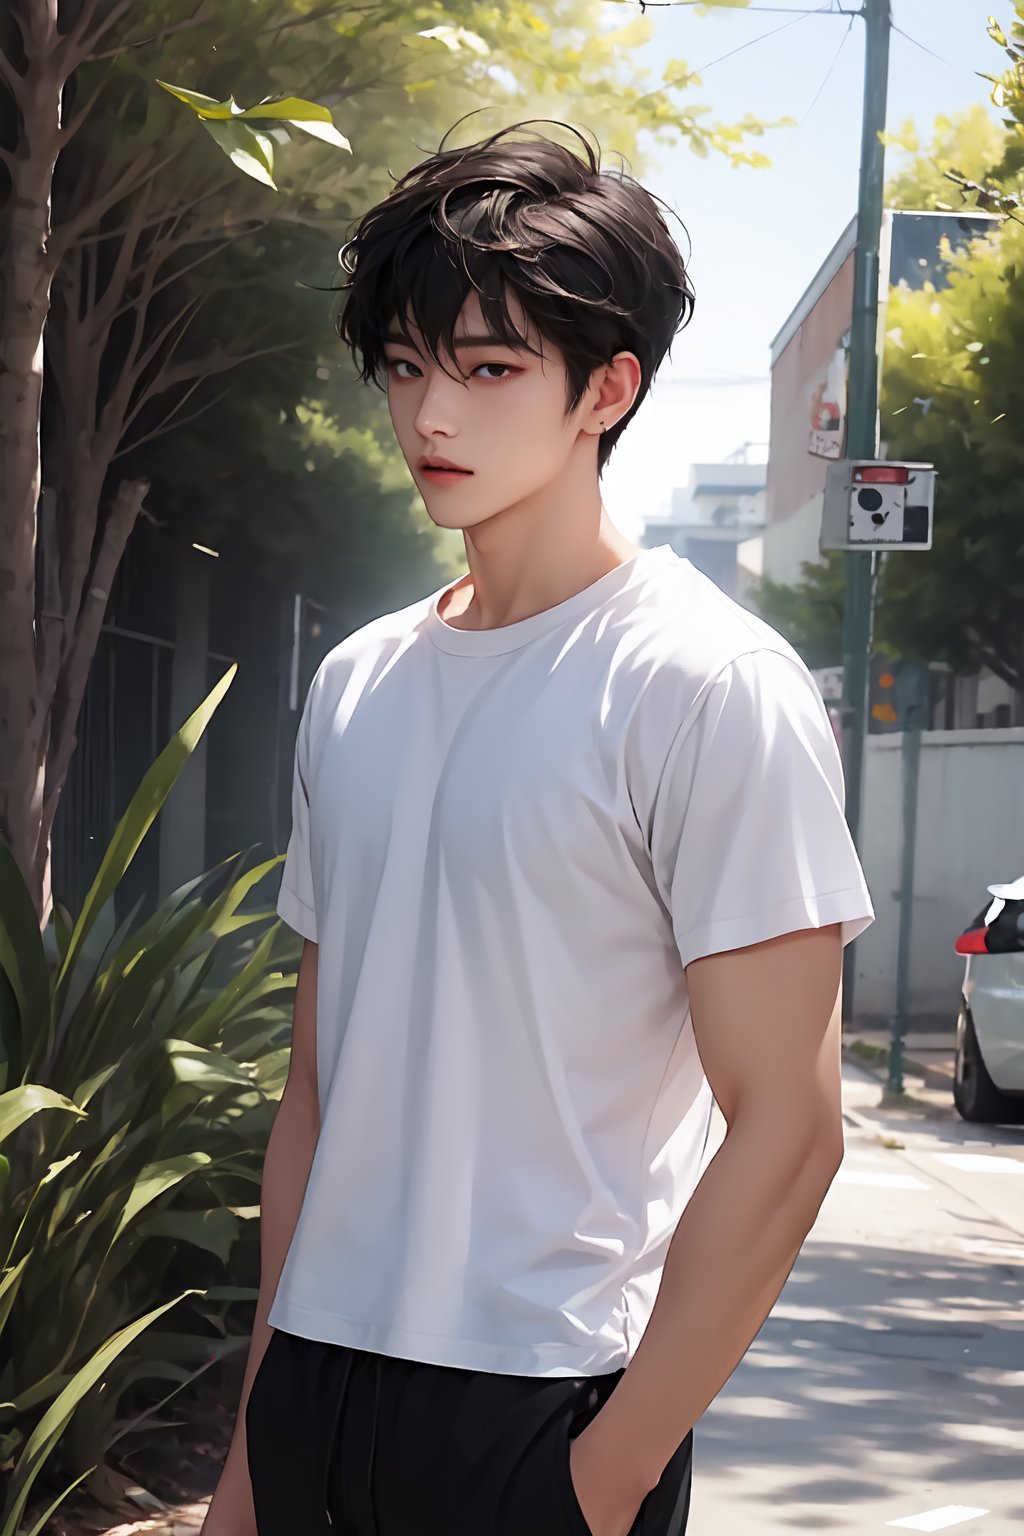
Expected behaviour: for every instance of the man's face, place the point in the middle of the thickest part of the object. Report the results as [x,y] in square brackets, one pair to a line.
[505,425]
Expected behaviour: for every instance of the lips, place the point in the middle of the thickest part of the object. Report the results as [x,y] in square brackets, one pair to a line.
[429,466]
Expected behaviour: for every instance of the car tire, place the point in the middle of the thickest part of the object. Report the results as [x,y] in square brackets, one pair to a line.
[974,1093]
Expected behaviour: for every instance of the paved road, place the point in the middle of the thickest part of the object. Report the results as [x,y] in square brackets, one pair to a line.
[886,1391]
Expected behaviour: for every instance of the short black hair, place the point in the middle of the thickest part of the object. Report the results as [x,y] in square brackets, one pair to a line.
[585,251]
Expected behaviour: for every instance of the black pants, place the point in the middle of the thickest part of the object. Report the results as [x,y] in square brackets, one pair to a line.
[344,1443]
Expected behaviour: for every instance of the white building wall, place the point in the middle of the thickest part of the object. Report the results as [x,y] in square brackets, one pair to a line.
[791,542]
[970,833]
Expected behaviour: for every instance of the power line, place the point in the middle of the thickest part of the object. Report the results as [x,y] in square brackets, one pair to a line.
[828,72]
[770,10]
[797,16]
[818,92]
[923,47]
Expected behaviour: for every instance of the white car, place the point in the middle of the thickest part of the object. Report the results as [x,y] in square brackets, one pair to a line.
[988,1085]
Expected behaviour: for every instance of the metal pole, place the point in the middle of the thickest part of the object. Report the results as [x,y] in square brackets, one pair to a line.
[862,416]
[917,689]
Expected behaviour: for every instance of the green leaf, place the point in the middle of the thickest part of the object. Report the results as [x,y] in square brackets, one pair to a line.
[197,101]
[143,810]
[58,1168]
[155,1181]
[272,1069]
[457,38]
[20,1104]
[211,1070]
[291,108]
[325,131]
[56,1419]
[62,926]
[92,1085]
[41,1523]
[120,996]
[215,1230]
[9,1288]
[23,960]
[310,116]
[250,151]
[251,979]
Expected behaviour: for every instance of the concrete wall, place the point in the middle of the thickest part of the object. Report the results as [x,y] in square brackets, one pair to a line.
[970,833]
[789,544]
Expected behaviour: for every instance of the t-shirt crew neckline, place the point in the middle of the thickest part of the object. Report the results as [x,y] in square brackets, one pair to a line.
[509,637]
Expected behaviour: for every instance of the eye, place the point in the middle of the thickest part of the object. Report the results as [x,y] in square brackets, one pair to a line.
[505,369]
[395,365]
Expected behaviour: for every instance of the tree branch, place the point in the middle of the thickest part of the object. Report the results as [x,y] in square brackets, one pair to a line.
[117,12]
[168,424]
[194,370]
[219,362]
[183,319]
[90,261]
[132,180]
[83,358]
[50,632]
[195,20]
[163,216]
[10,78]
[77,35]
[117,527]
[172,277]
[322,14]
[109,306]
[995,662]
[68,132]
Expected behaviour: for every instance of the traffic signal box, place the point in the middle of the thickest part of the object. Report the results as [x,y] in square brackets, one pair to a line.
[877,505]
[897,694]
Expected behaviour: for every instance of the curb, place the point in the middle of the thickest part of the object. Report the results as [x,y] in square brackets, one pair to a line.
[875,1059]
[876,1065]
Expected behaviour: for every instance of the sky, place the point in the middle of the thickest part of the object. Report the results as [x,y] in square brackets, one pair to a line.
[759,236]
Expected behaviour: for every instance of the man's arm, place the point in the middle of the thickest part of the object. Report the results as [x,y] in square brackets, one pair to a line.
[767,1021]
[286,1168]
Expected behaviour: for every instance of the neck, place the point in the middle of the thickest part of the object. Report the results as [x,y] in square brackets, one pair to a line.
[536,554]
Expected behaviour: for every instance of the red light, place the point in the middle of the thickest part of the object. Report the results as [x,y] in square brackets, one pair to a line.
[973,942]
[882,474]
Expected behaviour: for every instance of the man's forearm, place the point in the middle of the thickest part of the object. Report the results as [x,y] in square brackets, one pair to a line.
[286,1169]
[728,1261]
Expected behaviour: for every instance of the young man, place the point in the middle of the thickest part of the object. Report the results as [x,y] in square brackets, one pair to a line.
[569,857]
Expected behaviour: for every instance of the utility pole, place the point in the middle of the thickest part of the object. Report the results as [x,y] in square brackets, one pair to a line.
[862,415]
[914,710]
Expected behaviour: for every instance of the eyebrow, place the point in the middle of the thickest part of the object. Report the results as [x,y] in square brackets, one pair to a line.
[393,338]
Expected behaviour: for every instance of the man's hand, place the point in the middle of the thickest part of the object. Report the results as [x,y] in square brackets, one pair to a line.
[609,1493]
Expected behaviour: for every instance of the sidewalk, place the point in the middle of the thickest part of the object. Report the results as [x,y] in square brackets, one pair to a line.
[928,1057]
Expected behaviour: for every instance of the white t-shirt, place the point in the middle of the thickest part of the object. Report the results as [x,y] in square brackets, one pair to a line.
[508,844]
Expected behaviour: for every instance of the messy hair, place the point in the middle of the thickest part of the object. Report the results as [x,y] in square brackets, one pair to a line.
[585,251]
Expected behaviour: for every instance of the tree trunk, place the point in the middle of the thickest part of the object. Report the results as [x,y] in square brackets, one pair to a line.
[70,691]
[27,273]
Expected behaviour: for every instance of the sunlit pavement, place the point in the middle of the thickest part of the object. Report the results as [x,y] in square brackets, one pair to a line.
[886,1391]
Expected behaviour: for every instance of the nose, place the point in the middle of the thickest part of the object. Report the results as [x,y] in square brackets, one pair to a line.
[438,412]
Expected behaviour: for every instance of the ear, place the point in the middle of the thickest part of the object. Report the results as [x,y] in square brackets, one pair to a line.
[613,389]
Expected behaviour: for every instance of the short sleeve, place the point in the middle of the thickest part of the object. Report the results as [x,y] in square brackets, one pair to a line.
[748,836]
[295,902]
